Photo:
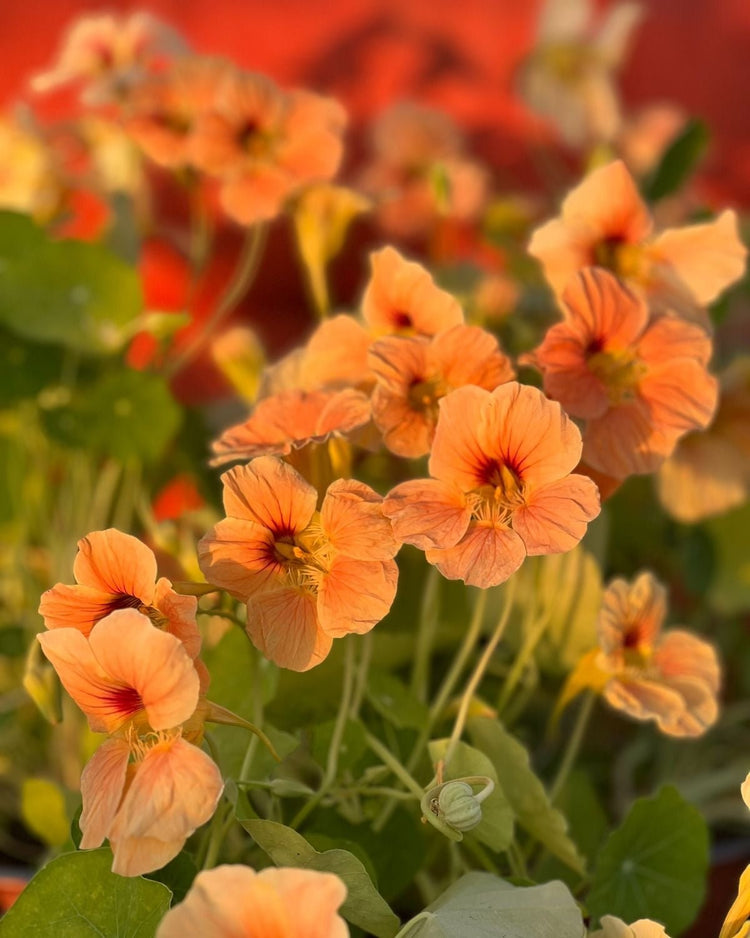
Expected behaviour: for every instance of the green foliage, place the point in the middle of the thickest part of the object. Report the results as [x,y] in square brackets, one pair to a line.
[77,896]
[730,589]
[524,791]
[177,875]
[43,810]
[654,865]
[394,702]
[26,368]
[480,905]
[679,161]
[364,906]
[68,293]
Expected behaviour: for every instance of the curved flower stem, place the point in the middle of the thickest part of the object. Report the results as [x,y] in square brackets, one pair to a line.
[478,673]
[532,636]
[222,821]
[338,734]
[244,274]
[361,679]
[384,753]
[425,634]
[257,717]
[574,745]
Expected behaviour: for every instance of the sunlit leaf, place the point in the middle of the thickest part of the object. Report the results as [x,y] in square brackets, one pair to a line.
[654,865]
[44,812]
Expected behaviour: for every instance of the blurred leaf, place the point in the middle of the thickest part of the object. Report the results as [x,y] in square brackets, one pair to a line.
[394,702]
[41,683]
[43,811]
[364,906]
[679,161]
[26,368]
[77,896]
[496,827]
[524,791]
[481,905]
[125,414]
[177,875]
[64,292]
[730,589]
[353,743]
[654,865]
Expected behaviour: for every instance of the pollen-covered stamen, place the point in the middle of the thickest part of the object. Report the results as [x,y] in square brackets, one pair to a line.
[624,259]
[307,556]
[143,743]
[157,618]
[620,371]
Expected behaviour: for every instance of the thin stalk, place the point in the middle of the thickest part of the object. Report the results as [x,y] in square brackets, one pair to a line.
[362,671]
[257,716]
[389,760]
[574,744]
[532,636]
[427,627]
[244,274]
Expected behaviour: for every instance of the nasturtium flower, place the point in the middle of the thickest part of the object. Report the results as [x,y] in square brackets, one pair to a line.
[117,571]
[307,576]
[413,373]
[147,788]
[605,223]
[639,384]
[236,902]
[402,297]
[613,927]
[501,485]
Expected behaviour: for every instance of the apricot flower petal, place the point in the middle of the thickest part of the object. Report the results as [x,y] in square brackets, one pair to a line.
[624,441]
[638,608]
[102,785]
[180,612]
[283,625]
[644,699]
[605,307]
[682,654]
[680,396]
[116,563]
[78,607]
[355,595]
[555,516]
[428,513]
[271,493]
[458,455]
[485,556]
[352,517]
[239,556]
[609,203]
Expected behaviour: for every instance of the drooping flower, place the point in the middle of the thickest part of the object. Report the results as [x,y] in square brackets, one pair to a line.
[117,571]
[307,576]
[672,677]
[501,486]
[402,297]
[233,901]
[265,144]
[413,373]
[147,788]
[639,384]
[605,223]
[569,76]
[613,927]
[108,54]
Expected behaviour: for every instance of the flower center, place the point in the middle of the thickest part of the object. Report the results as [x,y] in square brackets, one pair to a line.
[624,259]
[306,556]
[620,371]
[503,492]
[424,394]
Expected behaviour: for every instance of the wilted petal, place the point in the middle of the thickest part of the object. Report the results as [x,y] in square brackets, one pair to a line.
[427,513]
[485,556]
[102,785]
[355,595]
[352,518]
[283,625]
[116,563]
[555,516]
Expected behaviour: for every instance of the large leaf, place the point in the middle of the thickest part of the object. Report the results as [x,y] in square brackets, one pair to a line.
[496,827]
[125,414]
[364,906]
[480,905]
[64,292]
[77,896]
[654,865]
[524,790]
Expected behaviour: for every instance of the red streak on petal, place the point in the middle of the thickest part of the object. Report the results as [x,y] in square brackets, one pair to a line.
[123,700]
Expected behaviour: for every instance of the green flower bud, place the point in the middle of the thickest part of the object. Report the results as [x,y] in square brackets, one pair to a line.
[458,806]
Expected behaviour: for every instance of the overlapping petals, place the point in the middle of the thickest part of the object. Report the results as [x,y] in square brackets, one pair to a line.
[639,384]
[230,901]
[501,486]
[306,576]
[613,927]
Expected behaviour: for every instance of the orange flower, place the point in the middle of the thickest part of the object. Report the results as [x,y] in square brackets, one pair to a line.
[671,678]
[230,901]
[146,788]
[613,927]
[639,385]
[402,297]
[265,144]
[110,54]
[116,571]
[605,223]
[502,488]
[413,373]
[307,577]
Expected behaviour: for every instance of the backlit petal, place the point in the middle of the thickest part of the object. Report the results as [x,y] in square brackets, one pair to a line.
[355,595]
[102,785]
[283,625]
[427,513]
[271,493]
[239,556]
[352,517]
[555,516]
[116,563]
[485,556]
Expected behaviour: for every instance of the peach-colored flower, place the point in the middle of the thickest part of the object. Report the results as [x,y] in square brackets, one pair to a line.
[30,181]
[307,576]
[420,172]
[569,75]
[146,788]
[413,373]
[709,472]
[108,54]
[237,902]
[501,486]
[737,922]
[640,385]
[117,571]
[605,223]
[265,144]
[613,927]
[163,110]
[402,297]
[672,678]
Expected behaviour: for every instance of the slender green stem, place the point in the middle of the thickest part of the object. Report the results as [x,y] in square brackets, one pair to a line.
[338,734]
[574,744]
[475,848]
[362,671]
[257,716]
[517,861]
[428,619]
[532,636]
[374,790]
[245,272]
[384,753]
[222,614]
[222,821]
[479,670]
